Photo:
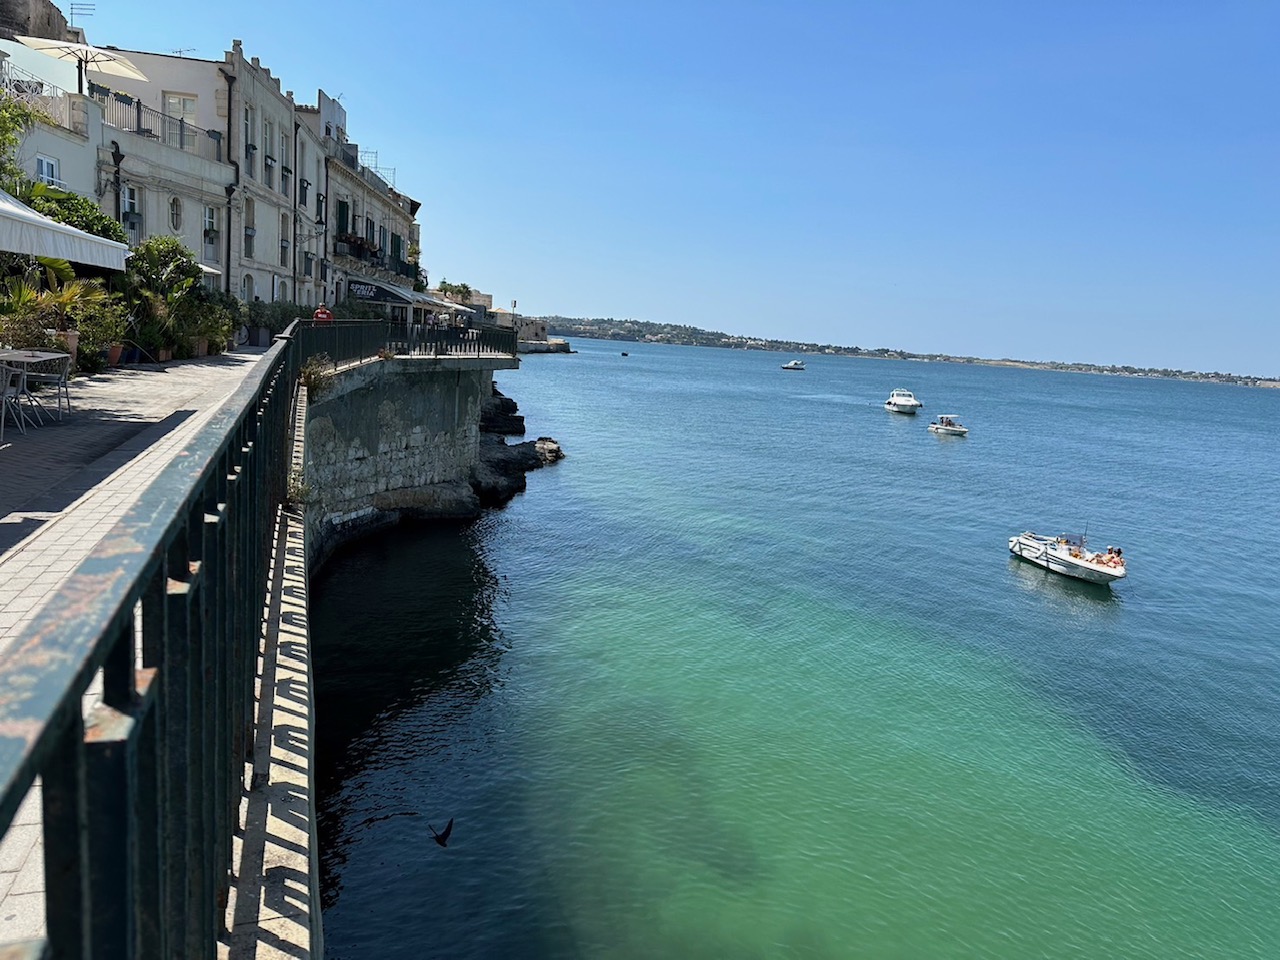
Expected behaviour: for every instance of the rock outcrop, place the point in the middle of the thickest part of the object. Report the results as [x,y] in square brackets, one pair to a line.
[499,473]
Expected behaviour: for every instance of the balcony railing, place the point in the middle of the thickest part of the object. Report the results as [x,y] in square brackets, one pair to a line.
[52,101]
[131,115]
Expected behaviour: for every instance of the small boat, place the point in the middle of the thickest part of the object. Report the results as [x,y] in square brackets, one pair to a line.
[948,425]
[625,354]
[902,401]
[1069,556]
[793,365]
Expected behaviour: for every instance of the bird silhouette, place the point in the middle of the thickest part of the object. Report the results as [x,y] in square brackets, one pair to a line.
[442,837]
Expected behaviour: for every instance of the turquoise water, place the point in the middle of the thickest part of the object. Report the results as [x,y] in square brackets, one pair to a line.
[752,674]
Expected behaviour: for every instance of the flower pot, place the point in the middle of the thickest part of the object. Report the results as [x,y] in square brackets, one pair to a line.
[163,354]
[71,340]
[113,354]
[199,346]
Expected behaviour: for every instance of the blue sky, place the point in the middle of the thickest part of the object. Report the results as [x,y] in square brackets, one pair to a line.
[1093,181]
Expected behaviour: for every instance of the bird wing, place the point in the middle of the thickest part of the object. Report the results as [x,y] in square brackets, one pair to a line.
[448,829]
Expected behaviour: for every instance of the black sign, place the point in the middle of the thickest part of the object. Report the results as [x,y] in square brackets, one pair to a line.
[363,290]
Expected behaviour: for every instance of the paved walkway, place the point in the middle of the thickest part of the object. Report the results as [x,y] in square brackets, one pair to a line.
[62,486]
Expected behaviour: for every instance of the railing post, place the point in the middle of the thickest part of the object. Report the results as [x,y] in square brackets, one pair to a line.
[111,834]
[66,842]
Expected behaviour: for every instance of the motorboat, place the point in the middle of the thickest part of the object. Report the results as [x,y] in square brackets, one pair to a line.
[902,401]
[793,365]
[949,425]
[1070,556]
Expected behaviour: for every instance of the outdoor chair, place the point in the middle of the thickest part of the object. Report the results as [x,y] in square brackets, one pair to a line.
[56,372]
[11,387]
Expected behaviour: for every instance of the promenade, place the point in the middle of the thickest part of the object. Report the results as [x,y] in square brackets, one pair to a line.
[62,487]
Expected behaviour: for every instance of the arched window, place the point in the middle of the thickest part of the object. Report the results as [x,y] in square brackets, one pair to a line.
[175,213]
[284,293]
[246,288]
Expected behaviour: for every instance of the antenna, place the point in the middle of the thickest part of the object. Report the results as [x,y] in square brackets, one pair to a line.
[80,10]
[184,50]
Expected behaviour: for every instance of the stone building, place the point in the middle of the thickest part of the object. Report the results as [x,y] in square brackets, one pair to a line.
[33,18]
[271,196]
[371,231]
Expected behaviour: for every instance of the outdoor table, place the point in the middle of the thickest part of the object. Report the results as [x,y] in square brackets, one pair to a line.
[24,360]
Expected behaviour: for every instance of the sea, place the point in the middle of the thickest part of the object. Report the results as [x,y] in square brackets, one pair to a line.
[752,674]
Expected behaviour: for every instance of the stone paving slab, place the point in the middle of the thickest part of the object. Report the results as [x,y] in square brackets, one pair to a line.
[62,486]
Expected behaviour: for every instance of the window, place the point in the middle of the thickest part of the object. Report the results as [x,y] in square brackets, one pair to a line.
[397,247]
[382,239]
[308,264]
[285,158]
[175,213]
[246,288]
[303,186]
[131,212]
[211,234]
[48,170]
[283,293]
[268,161]
[179,131]
[368,230]
[250,228]
[284,240]
[320,203]
[250,145]
[344,215]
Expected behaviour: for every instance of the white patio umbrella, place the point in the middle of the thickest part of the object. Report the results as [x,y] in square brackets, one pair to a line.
[86,57]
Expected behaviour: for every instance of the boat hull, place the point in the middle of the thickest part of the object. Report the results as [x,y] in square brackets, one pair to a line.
[901,408]
[949,431]
[1048,553]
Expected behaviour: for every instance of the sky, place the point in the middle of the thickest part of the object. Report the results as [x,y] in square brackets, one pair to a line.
[1088,181]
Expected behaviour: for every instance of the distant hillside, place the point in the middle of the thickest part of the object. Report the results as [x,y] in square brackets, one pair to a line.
[607,328]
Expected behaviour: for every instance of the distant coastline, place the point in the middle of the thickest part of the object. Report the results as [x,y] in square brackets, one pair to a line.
[643,331]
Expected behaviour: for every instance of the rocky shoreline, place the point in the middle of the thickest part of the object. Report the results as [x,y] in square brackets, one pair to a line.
[499,473]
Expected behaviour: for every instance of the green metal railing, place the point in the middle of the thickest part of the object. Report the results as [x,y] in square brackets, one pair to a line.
[141,800]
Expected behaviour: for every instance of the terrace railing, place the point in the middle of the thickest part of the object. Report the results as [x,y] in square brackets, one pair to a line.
[131,115]
[50,100]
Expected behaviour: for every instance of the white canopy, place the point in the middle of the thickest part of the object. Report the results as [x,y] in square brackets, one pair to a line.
[22,230]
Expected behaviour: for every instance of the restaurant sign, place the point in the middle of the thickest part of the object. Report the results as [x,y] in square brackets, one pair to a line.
[362,290]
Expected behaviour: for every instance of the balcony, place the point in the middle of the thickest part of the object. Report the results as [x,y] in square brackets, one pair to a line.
[126,113]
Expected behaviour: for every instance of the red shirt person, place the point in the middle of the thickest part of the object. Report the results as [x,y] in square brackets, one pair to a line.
[322,314]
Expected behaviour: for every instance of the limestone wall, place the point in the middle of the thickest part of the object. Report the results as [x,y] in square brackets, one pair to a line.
[393,438]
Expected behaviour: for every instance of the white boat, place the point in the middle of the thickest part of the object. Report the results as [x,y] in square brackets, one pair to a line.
[902,401]
[793,365]
[948,424]
[1070,556]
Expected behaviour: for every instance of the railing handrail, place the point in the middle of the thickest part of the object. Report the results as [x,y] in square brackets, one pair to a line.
[102,590]
[104,586]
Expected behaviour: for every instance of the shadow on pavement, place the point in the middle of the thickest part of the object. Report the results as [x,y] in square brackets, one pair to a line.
[50,467]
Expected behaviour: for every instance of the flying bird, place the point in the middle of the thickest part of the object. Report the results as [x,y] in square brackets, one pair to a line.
[442,837]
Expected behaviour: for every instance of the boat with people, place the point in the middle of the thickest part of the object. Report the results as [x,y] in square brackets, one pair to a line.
[793,365]
[1070,556]
[949,425]
[902,401]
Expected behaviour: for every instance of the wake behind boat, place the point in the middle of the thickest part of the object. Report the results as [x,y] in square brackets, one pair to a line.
[1069,556]
[793,365]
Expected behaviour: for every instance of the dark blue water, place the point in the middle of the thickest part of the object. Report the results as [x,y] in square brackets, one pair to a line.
[751,673]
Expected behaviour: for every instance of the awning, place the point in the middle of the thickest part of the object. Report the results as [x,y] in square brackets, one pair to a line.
[22,230]
[379,292]
[210,271]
